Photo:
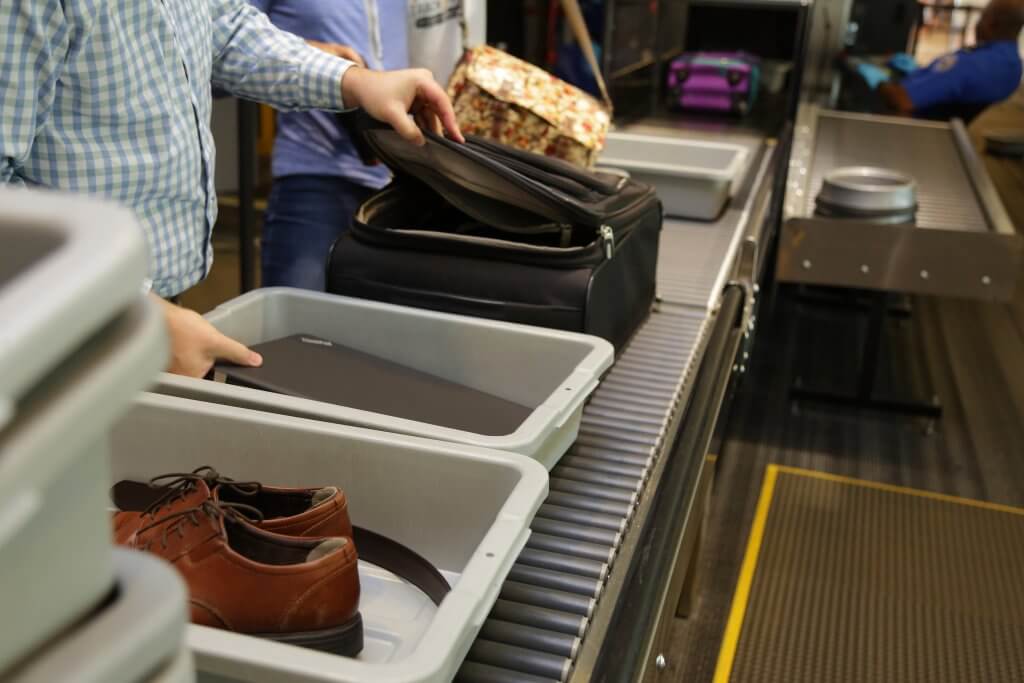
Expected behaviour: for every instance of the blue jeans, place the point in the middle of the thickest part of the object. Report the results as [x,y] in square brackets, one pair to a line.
[305,215]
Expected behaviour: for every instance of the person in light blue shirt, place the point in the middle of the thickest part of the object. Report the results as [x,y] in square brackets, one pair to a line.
[319,179]
[964,83]
[112,98]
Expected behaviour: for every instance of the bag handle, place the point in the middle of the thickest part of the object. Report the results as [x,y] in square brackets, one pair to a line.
[463,24]
[574,16]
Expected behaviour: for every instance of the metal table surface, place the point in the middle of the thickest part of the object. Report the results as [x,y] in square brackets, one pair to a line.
[924,151]
[622,497]
[961,242]
[693,255]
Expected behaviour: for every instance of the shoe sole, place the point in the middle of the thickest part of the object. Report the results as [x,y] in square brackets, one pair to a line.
[345,640]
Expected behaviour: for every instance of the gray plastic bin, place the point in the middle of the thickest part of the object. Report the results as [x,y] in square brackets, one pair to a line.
[554,372]
[138,634]
[68,265]
[55,552]
[694,178]
[182,669]
[464,508]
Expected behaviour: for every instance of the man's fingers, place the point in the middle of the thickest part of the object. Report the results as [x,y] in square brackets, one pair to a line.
[436,99]
[420,120]
[433,123]
[404,126]
[226,348]
[426,119]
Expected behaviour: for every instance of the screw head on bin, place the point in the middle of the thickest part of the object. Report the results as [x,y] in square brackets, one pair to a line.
[806,264]
[660,663]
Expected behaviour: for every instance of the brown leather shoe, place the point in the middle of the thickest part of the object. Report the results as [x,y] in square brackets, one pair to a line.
[288,511]
[294,511]
[303,591]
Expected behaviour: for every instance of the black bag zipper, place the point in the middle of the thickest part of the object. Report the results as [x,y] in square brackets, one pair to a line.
[549,166]
[584,217]
[579,215]
[605,229]
[573,257]
[539,229]
[605,240]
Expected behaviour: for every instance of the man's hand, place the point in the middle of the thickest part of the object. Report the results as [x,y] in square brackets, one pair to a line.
[873,75]
[897,98]
[196,344]
[343,51]
[903,63]
[390,96]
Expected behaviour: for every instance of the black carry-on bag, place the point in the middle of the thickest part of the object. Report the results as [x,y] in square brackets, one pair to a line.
[486,230]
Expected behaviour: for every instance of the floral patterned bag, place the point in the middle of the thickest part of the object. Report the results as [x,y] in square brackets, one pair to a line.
[503,98]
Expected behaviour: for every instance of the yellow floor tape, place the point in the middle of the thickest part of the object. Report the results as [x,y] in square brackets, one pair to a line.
[734,627]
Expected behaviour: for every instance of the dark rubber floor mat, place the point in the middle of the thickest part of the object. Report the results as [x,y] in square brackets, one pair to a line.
[848,580]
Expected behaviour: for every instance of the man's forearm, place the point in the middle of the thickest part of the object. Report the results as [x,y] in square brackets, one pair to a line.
[256,60]
[896,98]
[30,63]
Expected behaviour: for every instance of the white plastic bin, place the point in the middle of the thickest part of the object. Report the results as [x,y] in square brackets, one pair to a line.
[68,265]
[137,635]
[55,552]
[551,371]
[464,508]
[694,179]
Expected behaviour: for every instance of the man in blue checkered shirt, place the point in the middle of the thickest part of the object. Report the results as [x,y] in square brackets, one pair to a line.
[113,98]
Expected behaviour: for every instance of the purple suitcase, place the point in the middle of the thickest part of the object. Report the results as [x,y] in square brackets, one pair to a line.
[714,81]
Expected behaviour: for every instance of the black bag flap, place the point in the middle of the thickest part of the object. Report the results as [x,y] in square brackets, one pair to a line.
[507,187]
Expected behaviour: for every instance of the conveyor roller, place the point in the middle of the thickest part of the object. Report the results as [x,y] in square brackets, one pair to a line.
[552,589]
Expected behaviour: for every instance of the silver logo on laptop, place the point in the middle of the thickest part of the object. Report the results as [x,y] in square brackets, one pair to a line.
[319,342]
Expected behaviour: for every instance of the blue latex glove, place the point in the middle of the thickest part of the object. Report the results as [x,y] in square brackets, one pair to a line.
[903,63]
[873,75]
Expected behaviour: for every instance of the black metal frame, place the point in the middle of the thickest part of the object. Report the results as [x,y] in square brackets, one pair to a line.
[800,59]
[865,395]
[629,74]
[248,117]
[802,32]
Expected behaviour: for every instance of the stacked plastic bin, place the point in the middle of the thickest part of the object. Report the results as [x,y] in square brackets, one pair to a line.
[77,342]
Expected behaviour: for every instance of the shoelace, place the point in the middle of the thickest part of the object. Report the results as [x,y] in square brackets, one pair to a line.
[174,521]
[180,484]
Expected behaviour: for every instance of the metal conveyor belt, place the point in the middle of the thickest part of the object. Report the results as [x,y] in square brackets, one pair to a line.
[534,632]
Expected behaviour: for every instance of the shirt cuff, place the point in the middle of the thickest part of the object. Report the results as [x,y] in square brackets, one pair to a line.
[321,80]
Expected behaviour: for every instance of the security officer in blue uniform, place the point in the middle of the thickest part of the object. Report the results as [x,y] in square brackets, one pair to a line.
[964,83]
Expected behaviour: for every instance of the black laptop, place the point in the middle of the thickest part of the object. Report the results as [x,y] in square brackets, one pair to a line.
[310,367]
